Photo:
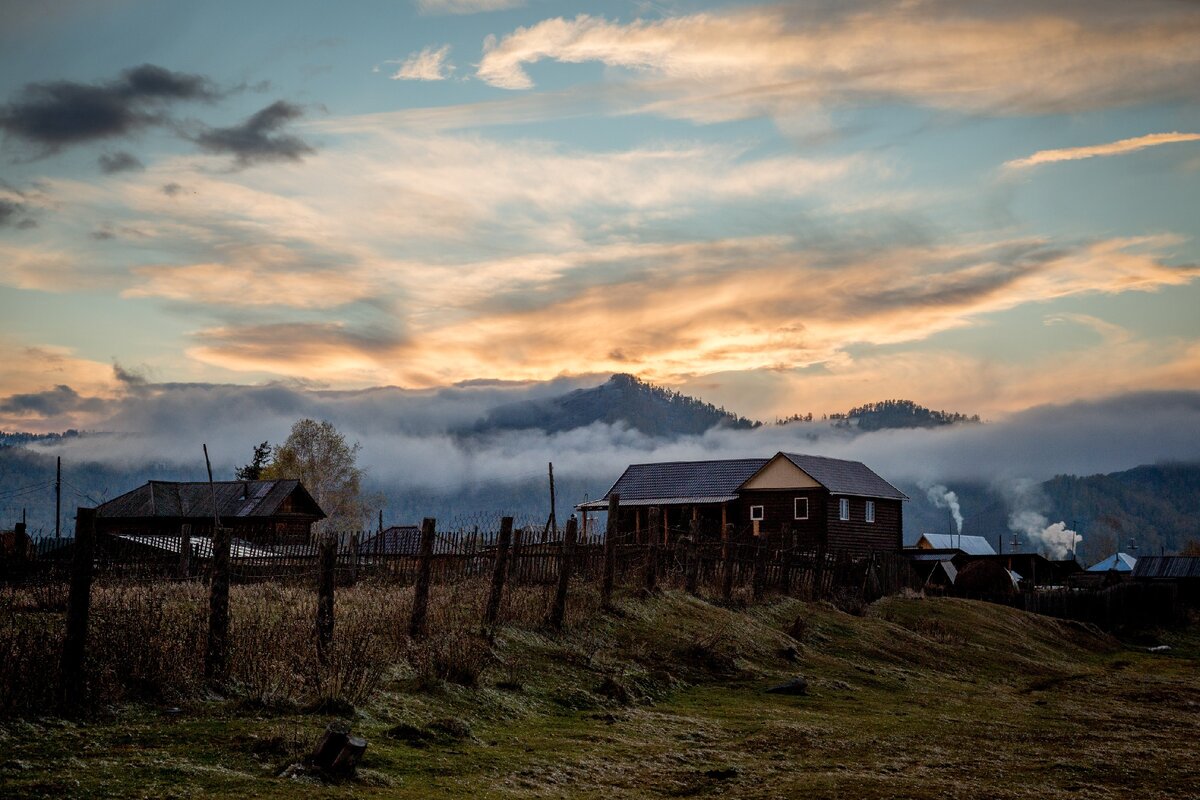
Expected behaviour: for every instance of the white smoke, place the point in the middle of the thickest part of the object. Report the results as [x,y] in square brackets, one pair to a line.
[941,497]
[1056,540]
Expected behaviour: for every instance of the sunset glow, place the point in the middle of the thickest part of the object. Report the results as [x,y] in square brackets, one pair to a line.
[777,208]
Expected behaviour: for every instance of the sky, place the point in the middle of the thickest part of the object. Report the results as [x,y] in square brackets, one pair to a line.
[778,208]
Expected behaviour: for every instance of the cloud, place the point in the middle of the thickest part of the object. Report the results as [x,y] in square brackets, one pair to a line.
[259,138]
[427,65]
[1101,150]
[59,401]
[258,277]
[36,371]
[58,114]
[1055,57]
[314,349]
[14,214]
[465,6]
[120,162]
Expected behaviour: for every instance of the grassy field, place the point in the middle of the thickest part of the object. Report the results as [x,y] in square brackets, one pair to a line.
[917,698]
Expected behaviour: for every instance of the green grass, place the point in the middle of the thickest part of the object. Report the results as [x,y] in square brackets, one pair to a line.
[918,698]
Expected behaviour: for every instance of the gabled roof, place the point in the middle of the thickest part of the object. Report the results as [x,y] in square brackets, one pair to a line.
[672,482]
[1121,562]
[971,545]
[845,477]
[1167,567]
[170,499]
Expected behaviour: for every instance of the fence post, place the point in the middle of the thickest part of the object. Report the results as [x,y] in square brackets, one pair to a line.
[325,582]
[71,677]
[692,566]
[499,572]
[818,581]
[354,558]
[515,564]
[786,545]
[652,553]
[730,546]
[760,568]
[420,607]
[566,560]
[216,655]
[185,550]
[610,551]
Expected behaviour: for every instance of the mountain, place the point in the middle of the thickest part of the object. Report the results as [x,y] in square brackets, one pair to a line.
[623,399]
[900,414]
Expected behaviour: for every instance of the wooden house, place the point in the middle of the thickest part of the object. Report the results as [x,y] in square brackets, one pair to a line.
[262,512]
[827,502]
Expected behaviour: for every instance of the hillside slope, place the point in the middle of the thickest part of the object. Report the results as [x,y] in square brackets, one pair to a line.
[665,698]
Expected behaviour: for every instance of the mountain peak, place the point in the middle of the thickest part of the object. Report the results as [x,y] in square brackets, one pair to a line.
[622,399]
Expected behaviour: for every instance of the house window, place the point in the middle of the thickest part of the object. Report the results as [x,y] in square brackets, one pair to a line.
[870,511]
[844,508]
[801,508]
[756,512]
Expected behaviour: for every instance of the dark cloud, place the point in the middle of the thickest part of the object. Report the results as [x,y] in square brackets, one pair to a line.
[103,234]
[120,162]
[259,137]
[171,189]
[58,114]
[62,399]
[128,376]
[15,214]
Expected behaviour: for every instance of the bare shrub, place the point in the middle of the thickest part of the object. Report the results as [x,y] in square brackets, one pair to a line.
[456,656]
[146,642]
[30,647]
[354,666]
[270,632]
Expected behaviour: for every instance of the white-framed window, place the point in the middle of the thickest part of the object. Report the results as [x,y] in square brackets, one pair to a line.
[870,511]
[801,508]
[844,508]
[756,512]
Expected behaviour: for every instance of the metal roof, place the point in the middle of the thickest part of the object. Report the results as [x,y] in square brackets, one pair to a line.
[845,477]
[971,545]
[172,499]
[201,546]
[681,482]
[1173,567]
[1120,562]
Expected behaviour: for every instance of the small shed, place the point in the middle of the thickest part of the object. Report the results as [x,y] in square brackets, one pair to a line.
[262,512]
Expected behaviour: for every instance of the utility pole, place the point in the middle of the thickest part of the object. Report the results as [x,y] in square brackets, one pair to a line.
[58,498]
[553,518]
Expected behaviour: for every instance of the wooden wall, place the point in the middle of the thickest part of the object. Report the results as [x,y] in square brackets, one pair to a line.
[856,535]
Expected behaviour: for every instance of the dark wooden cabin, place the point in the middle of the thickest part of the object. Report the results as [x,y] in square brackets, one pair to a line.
[262,512]
[829,503]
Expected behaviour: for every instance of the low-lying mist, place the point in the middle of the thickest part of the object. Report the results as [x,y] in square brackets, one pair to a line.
[419,454]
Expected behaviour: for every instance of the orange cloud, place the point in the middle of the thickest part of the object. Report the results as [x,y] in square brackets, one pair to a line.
[782,310]
[1100,150]
[957,55]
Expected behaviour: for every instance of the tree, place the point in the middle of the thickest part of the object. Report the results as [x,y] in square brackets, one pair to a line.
[319,457]
[253,471]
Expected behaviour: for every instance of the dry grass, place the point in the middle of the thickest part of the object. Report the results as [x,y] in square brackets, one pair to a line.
[146,642]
